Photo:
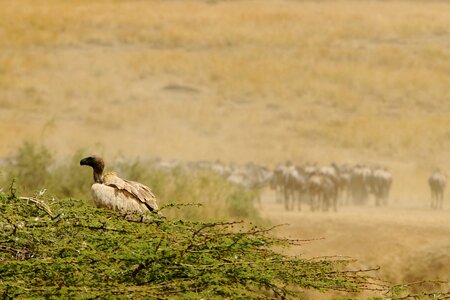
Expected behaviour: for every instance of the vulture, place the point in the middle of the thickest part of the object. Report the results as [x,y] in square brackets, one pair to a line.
[112,192]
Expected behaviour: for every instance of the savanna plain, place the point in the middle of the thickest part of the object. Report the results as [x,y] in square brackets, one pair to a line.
[263,81]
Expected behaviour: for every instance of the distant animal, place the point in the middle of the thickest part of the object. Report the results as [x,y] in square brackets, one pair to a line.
[323,191]
[437,182]
[360,184]
[277,183]
[315,191]
[112,192]
[380,185]
[345,175]
[252,177]
[294,185]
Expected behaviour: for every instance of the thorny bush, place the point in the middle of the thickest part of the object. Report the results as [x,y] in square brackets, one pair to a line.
[65,248]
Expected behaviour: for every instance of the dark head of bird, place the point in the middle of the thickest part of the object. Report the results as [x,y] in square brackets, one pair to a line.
[97,165]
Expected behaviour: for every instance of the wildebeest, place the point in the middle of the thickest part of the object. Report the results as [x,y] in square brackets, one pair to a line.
[322,191]
[165,165]
[360,184]
[294,185]
[322,184]
[277,183]
[221,169]
[437,182]
[289,183]
[380,185]
[251,176]
[345,174]
[313,185]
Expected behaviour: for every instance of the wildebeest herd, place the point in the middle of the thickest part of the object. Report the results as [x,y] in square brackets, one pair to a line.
[328,187]
[321,188]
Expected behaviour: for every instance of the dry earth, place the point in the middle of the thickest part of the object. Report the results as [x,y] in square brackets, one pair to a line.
[408,242]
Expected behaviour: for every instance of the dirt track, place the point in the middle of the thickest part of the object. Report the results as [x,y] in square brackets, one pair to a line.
[409,243]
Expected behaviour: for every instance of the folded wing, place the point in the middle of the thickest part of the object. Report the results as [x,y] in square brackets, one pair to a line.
[121,194]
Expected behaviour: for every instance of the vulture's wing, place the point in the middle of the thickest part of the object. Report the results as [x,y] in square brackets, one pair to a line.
[110,197]
[137,190]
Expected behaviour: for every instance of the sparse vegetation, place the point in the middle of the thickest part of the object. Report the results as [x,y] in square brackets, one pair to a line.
[34,169]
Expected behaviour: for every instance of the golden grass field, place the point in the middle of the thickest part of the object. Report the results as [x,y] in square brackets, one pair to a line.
[267,80]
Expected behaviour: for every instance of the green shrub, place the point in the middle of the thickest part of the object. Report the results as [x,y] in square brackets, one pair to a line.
[68,249]
[31,166]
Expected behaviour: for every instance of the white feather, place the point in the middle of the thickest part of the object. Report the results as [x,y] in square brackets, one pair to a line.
[105,196]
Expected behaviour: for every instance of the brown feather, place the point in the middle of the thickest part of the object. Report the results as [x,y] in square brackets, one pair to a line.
[136,190]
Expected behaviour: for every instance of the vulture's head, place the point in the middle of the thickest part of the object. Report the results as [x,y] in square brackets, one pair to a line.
[97,164]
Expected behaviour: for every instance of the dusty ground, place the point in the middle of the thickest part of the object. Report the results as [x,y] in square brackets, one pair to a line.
[408,242]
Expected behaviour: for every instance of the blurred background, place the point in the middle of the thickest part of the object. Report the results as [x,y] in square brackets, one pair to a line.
[309,81]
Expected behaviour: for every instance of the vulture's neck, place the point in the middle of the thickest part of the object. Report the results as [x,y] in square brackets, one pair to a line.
[98,175]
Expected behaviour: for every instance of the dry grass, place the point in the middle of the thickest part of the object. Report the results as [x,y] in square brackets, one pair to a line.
[309,80]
